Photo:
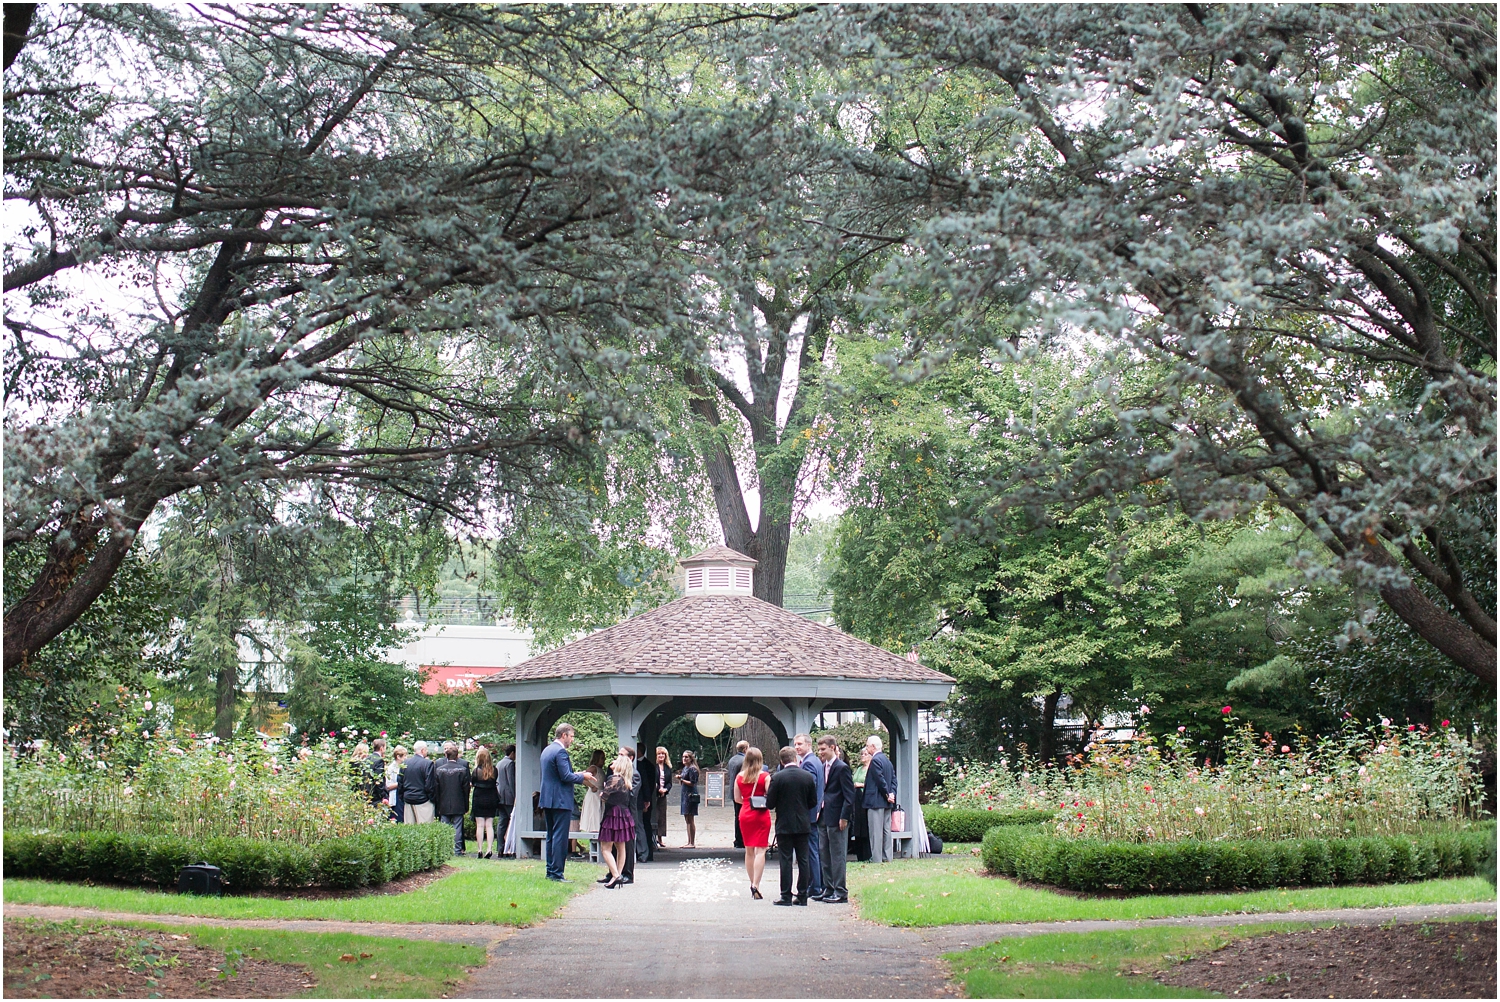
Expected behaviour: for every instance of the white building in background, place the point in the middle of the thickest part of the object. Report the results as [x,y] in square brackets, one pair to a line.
[459,655]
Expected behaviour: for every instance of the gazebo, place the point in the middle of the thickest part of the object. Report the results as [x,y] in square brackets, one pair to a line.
[717,649]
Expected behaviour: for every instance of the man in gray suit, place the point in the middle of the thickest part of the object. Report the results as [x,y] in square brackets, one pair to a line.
[732,769]
[505,782]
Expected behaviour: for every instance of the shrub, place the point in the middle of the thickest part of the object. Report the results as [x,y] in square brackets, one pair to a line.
[249,864]
[1196,865]
[956,824]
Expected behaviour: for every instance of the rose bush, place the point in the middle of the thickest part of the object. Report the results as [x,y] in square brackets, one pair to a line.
[154,779]
[1381,779]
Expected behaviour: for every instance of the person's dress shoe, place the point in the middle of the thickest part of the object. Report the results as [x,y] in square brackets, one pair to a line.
[801,901]
[784,901]
[603,880]
[834,900]
[627,880]
[561,880]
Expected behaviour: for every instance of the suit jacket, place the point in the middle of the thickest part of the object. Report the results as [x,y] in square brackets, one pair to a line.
[793,795]
[880,780]
[648,784]
[416,783]
[656,780]
[505,780]
[814,766]
[452,777]
[838,795]
[558,778]
[732,769]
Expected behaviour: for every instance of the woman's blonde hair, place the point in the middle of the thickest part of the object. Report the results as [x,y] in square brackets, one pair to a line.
[750,771]
[400,751]
[483,767]
[622,767]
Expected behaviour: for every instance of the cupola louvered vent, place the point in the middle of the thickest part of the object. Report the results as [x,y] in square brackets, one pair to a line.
[719,570]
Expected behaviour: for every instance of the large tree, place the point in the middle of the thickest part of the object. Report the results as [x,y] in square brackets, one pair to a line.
[1291,208]
[348,247]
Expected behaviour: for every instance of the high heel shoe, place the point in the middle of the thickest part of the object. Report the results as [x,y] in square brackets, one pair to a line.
[755,893]
[612,883]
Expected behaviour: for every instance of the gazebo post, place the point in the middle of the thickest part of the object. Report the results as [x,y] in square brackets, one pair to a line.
[528,773]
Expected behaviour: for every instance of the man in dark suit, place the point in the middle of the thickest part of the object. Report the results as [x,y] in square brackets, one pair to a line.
[793,796]
[810,764]
[732,769]
[452,777]
[557,803]
[835,820]
[645,839]
[505,785]
[880,800]
[418,786]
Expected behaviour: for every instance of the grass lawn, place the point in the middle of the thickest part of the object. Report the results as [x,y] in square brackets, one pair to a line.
[402,968]
[944,891]
[1090,964]
[508,892]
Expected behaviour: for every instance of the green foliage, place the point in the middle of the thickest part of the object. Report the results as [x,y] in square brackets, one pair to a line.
[958,824]
[1380,780]
[1098,865]
[381,854]
[157,782]
[116,643]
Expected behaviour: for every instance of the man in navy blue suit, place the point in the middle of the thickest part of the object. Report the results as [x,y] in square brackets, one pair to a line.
[813,767]
[879,801]
[557,800]
[836,818]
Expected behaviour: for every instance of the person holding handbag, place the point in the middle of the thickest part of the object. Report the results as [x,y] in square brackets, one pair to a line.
[688,781]
[755,817]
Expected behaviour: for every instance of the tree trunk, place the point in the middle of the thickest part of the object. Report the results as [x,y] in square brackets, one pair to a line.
[1456,639]
[17,25]
[769,546]
[226,694]
[78,569]
[1047,745]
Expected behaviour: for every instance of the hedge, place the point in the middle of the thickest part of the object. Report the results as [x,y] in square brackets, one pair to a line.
[374,857]
[1192,865]
[965,824]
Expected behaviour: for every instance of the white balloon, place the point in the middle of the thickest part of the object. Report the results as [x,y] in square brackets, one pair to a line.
[736,719]
[708,724]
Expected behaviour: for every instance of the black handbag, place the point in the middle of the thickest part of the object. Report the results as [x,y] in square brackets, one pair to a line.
[693,799]
[757,803]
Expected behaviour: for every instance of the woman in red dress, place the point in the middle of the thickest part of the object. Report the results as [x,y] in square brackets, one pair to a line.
[755,822]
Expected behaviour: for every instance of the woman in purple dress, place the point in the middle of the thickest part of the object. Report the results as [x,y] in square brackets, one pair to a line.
[617,830]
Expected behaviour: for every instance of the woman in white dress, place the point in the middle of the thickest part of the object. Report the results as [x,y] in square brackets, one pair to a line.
[593,804]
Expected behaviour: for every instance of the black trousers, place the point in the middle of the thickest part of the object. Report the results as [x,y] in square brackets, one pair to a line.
[739,840]
[794,842]
[628,870]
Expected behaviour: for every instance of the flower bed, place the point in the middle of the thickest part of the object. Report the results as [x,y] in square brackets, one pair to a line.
[381,854]
[1099,865]
[958,824]
[1380,780]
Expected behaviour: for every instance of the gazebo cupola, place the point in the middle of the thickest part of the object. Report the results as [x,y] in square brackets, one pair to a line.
[719,570]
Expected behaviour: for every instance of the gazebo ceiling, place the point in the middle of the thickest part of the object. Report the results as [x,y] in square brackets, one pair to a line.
[725,636]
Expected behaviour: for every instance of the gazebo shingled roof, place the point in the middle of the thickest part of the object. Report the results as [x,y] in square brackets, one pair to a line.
[707,635]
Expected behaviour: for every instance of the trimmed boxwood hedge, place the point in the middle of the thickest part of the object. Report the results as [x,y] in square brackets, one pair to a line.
[374,857]
[1192,865]
[965,824]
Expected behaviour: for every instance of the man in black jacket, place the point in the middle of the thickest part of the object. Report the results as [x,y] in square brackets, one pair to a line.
[375,764]
[834,822]
[418,787]
[793,795]
[645,843]
[452,777]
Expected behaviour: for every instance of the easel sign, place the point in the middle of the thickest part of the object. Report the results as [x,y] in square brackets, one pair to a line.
[713,788]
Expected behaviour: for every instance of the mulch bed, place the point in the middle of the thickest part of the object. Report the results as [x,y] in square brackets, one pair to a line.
[77,960]
[1419,961]
[410,882]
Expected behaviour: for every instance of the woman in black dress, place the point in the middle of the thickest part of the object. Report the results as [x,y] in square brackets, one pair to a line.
[689,780]
[485,804]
